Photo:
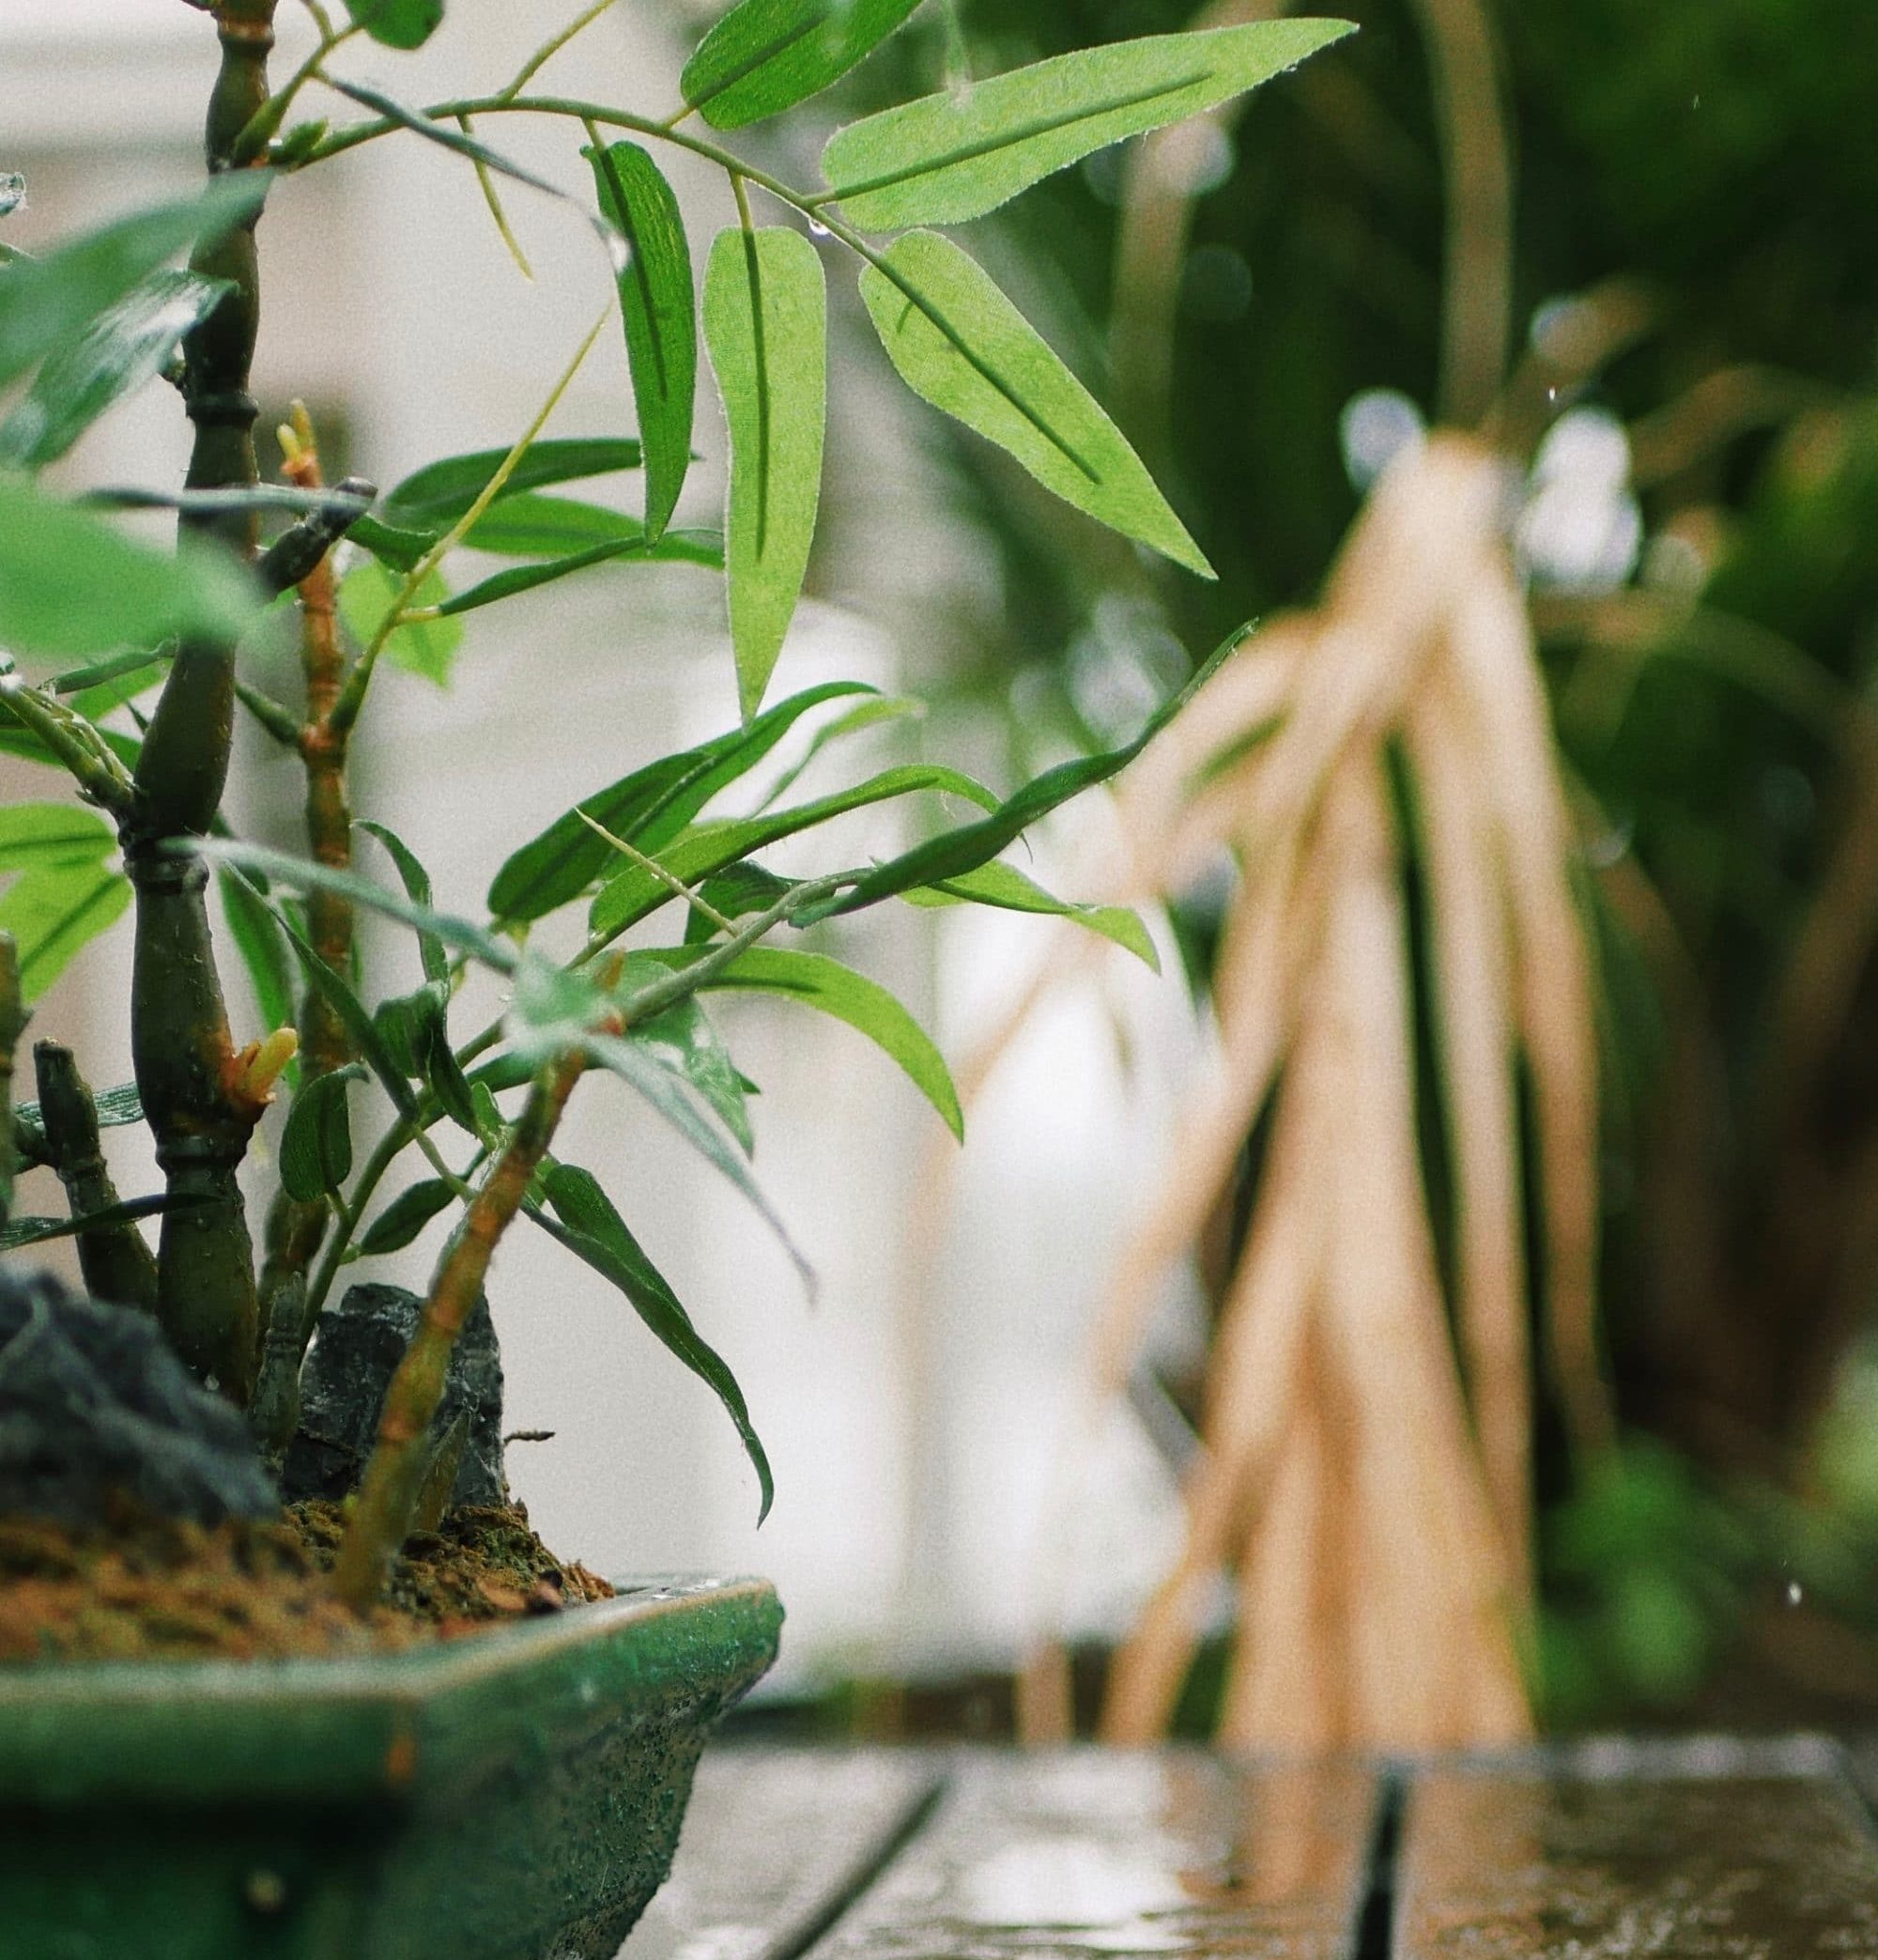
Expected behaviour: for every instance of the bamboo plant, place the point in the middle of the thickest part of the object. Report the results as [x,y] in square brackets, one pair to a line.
[131,676]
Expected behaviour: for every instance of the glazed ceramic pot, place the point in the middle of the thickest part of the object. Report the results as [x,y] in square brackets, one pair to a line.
[515,1795]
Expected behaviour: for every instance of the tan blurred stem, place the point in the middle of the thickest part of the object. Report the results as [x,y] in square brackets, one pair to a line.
[1475,1040]
[388,1492]
[117,1263]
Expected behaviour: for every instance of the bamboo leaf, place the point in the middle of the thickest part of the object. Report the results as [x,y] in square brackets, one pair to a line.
[660,316]
[765,308]
[959,344]
[647,808]
[428,646]
[53,910]
[416,881]
[393,544]
[47,304]
[35,833]
[432,499]
[669,1096]
[115,1107]
[534,526]
[818,981]
[35,1231]
[257,938]
[1003,886]
[590,1227]
[317,1144]
[953,156]
[127,345]
[301,874]
[683,1040]
[404,1217]
[635,893]
[73,584]
[675,547]
[766,56]
[954,853]
[398,23]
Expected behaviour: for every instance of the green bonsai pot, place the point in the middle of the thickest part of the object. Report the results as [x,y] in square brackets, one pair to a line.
[514,1796]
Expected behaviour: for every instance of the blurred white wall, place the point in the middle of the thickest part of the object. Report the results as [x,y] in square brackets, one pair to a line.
[911,1429]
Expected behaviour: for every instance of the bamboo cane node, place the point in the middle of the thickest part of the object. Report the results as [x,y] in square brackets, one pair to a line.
[231,408]
[162,867]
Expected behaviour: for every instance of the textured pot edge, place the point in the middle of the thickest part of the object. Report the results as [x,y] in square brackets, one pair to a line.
[341,1729]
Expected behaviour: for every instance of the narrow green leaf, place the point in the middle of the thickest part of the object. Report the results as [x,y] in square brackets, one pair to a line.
[1003,886]
[634,893]
[317,1144]
[432,499]
[263,952]
[818,981]
[404,1217]
[115,1108]
[35,1231]
[392,543]
[416,881]
[398,23]
[73,584]
[766,56]
[675,547]
[534,526]
[47,304]
[955,853]
[956,155]
[127,345]
[301,874]
[21,743]
[738,889]
[669,1096]
[365,1034]
[869,713]
[959,344]
[427,647]
[35,833]
[592,1231]
[53,910]
[647,808]
[765,322]
[683,1040]
[660,316]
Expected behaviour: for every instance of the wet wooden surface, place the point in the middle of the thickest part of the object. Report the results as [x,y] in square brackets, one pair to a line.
[1700,1851]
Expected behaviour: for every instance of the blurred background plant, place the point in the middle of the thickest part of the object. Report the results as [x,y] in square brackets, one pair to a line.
[1655,214]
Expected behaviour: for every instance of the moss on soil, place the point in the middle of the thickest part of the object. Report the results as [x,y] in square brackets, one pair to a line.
[153,1589]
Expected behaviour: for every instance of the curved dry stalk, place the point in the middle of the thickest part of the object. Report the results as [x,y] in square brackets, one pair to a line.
[1495,665]
[1462,862]
[1251,1391]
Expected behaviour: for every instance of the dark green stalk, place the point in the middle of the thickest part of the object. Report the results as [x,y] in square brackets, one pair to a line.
[13,1019]
[117,1263]
[181,1047]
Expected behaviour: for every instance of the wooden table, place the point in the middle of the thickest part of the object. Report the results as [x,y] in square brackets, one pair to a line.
[1685,1851]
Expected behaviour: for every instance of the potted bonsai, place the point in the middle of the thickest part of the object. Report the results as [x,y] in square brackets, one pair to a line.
[222,1723]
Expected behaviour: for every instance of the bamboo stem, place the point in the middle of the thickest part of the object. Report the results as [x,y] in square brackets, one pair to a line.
[13,1019]
[389,1492]
[117,1263]
[180,1043]
[296,1228]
